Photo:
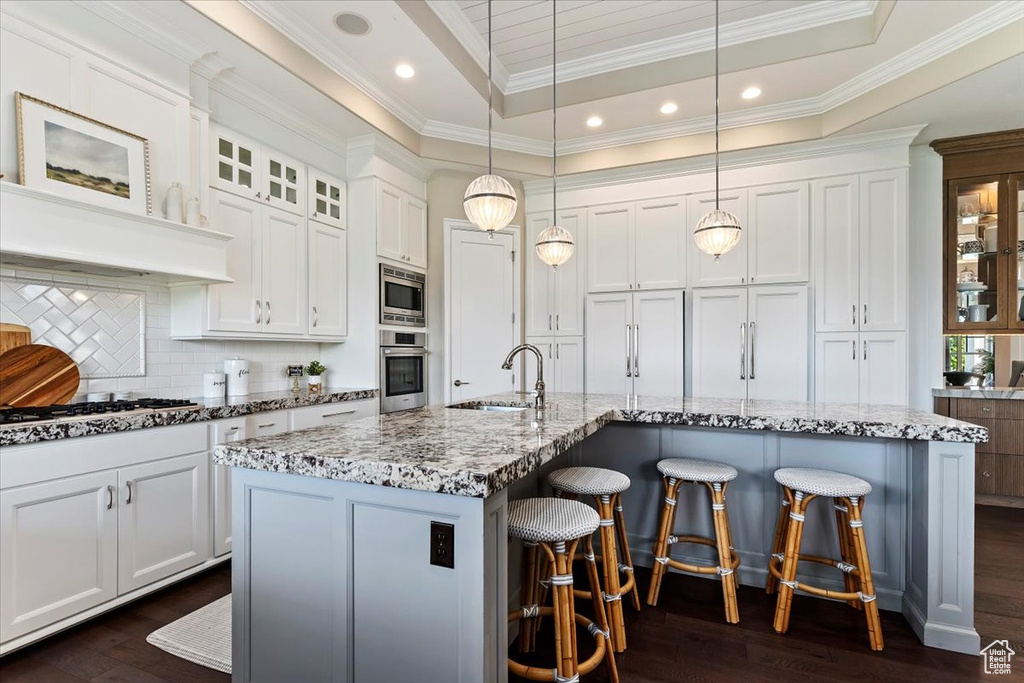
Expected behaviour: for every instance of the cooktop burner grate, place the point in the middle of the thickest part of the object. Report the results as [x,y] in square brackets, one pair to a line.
[54,412]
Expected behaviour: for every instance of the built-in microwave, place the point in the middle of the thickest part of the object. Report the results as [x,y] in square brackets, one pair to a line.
[402,299]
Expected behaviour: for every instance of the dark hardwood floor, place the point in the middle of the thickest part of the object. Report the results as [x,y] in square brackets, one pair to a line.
[683,639]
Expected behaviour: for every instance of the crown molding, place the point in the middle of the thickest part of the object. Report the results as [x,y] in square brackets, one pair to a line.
[452,16]
[244,92]
[756,28]
[305,36]
[478,136]
[383,147]
[797,151]
[140,21]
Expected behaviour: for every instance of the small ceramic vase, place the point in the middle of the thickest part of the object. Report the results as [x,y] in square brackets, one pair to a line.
[192,216]
[174,202]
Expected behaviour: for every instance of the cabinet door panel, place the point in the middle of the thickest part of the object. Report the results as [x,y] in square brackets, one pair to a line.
[570,286]
[720,343]
[284,268]
[883,250]
[328,281]
[837,367]
[58,551]
[389,222]
[779,249]
[540,315]
[836,211]
[223,431]
[233,306]
[569,364]
[165,528]
[546,346]
[326,198]
[661,243]
[778,343]
[883,372]
[332,413]
[235,164]
[658,357]
[610,257]
[608,348]
[731,268]
[284,182]
[414,241]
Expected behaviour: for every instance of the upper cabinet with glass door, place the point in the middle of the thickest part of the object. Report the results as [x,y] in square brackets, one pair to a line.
[983,247]
[247,168]
[326,200]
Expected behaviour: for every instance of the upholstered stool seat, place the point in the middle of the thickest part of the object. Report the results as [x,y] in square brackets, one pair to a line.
[551,529]
[799,487]
[606,486]
[716,477]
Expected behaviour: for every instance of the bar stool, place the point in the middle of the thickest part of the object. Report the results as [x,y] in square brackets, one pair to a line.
[557,527]
[800,486]
[716,476]
[606,486]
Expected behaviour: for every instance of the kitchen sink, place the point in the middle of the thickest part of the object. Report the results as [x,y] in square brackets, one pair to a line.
[489,407]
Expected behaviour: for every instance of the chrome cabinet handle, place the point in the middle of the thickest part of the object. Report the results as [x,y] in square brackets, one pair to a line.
[549,351]
[259,312]
[257,194]
[316,317]
[986,409]
[549,321]
[865,314]
[558,324]
[110,497]
[742,350]
[865,349]
[128,485]
[853,343]
[233,429]
[752,338]
[268,312]
[629,353]
[342,412]
[266,424]
[558,351]
[853,312]
[460,383]
[636,350]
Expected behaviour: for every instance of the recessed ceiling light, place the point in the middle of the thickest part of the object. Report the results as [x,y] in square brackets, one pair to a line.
[352,24]
[669,108]
[751,92]
[594,121]
[404,71]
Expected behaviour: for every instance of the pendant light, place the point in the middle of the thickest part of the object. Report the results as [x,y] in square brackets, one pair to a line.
[554,244]
[718,231]
[490,200]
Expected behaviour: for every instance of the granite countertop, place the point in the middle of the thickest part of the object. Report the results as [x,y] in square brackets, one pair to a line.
[210,409]
[1007,393]
[477,453]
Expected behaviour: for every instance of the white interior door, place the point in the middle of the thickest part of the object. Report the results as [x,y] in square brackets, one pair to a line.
[777,333]
[658,358]
[836,367]
[483,281]
[609,368]
[720,343]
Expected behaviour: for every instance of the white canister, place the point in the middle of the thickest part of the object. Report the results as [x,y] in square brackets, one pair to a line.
[237,371]
[214,384]
[173,201]
[977,313]
[192,215]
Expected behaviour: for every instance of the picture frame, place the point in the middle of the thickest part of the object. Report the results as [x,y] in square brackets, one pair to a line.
[78,157]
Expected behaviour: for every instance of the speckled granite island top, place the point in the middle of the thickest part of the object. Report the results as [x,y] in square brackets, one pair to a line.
[1001,393]
[477,453]
[210,409]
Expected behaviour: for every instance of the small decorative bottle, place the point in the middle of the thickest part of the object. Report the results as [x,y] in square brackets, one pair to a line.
[174,202]
[192,216]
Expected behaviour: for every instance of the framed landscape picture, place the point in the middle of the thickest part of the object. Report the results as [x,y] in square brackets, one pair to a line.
[80,158]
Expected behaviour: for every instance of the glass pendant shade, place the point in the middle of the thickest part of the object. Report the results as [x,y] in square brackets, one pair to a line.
[555,245]
[717,232]
[490,202]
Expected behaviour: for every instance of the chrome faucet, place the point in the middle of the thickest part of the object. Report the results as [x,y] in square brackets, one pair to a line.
[539,387]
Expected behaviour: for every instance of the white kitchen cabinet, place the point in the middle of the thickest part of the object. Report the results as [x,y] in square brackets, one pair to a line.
[236,163]
[267,424]
[326,198]
[751,343]
[163,519]
[233,306]
[328,280]
[59,550]
[555,296]
[636,246]
[284,273]
[860,258]
[779,234]
[284,181]
[730,269]
[866,367]
[223,431]
[333,413]
[563,364]
[611,260]
[401,226]
[635,343]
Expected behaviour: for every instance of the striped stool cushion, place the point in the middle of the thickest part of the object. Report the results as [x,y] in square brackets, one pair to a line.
[593,481]
[690,469]
[822,482]
[550,519]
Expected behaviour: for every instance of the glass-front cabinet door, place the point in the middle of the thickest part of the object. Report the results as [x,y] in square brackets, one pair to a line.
[1015,244]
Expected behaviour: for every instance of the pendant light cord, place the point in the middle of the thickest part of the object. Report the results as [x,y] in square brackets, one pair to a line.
[490,105]
[554,118]
[716,105]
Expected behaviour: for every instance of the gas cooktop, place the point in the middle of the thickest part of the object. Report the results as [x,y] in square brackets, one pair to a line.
[78,411]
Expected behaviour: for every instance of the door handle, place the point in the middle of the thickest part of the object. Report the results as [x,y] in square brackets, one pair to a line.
[316,317]
[629,353]
[460,383]
[865,349]
[259,312]
[853,343]
[110,497]
[558,324]
[558,351]
[865,314]
[549,321]
[853,312]
[341,412]
[636,350]
[265,425]
[268,312]
[743,350]
[128,485]
[752,339]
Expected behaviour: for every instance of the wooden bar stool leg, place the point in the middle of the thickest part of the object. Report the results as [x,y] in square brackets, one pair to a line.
[564,610]
[725,568]
[779,544]
[665,526]
[528,598]
[788,583]
[610,563]
[846,552]
[600,614]
[627,558]
[867,585]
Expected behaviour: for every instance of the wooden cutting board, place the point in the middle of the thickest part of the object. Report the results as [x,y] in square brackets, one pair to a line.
[13,336]
[37,375]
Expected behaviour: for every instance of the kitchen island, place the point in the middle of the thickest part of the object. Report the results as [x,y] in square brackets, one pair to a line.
[332,577]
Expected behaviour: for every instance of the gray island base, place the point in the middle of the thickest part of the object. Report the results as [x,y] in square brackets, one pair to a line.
[332,579]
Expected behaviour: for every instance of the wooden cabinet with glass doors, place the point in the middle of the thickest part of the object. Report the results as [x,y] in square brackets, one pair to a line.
[983,247]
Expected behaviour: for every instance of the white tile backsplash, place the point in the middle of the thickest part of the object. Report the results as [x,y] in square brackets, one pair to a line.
[174,369]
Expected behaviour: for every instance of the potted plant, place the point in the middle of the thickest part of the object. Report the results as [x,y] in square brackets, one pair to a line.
[986,367]
[315,377]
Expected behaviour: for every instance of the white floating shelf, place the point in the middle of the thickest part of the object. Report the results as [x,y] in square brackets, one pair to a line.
[44,226]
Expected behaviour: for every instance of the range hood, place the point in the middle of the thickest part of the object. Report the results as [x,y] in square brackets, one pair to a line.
[42,229]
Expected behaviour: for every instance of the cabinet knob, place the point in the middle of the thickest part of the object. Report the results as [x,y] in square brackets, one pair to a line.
[1006,250]
[986,409]
[986,474]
